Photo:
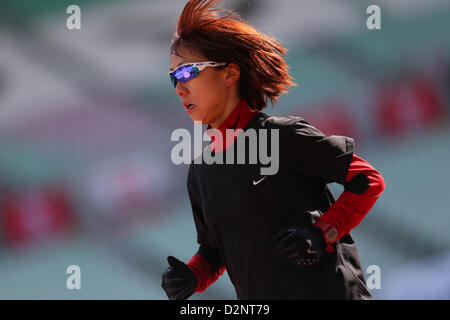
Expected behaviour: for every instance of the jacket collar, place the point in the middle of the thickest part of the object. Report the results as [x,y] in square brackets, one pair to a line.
[238,119]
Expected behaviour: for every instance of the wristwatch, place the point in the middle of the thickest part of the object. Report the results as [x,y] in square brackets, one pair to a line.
[330,233]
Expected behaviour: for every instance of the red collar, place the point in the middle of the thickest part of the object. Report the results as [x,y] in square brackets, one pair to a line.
[238,119]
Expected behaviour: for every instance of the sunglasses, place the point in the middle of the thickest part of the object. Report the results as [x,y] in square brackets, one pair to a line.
[189,71]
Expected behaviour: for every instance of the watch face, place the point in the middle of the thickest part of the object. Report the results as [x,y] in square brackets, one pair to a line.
[332,234]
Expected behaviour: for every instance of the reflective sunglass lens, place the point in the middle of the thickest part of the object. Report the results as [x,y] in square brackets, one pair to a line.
[183,74]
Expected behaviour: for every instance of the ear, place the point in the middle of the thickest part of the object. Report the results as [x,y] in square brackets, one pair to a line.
[232,74]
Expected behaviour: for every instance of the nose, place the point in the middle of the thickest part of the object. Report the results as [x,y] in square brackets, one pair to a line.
[181,89]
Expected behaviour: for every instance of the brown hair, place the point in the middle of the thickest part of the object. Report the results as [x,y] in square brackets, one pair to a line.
[227,38]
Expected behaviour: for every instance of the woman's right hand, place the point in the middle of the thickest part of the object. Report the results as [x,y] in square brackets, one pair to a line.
[179,282]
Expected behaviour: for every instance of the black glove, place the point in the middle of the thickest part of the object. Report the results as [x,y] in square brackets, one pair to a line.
[302,246]
[179,282]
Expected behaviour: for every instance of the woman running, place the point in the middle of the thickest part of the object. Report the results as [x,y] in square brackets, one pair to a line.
[279,235]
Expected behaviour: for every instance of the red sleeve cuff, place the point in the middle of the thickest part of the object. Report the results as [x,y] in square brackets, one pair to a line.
[202,270]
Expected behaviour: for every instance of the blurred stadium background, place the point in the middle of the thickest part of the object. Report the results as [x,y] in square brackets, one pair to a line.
[86,116]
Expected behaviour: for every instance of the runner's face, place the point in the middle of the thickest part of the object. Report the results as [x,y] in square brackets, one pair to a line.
[207,92]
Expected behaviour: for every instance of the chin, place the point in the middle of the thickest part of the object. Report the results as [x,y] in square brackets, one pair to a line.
[196,117]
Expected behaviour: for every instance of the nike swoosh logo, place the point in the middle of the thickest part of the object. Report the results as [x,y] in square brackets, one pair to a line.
[256,182]
[310,252]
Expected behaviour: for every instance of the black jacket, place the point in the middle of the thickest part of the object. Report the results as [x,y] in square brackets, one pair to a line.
[239,218]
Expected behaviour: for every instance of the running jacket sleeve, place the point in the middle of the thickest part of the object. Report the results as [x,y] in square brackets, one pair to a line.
[206,263]
[316,155]
[363,185]
[332,159]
